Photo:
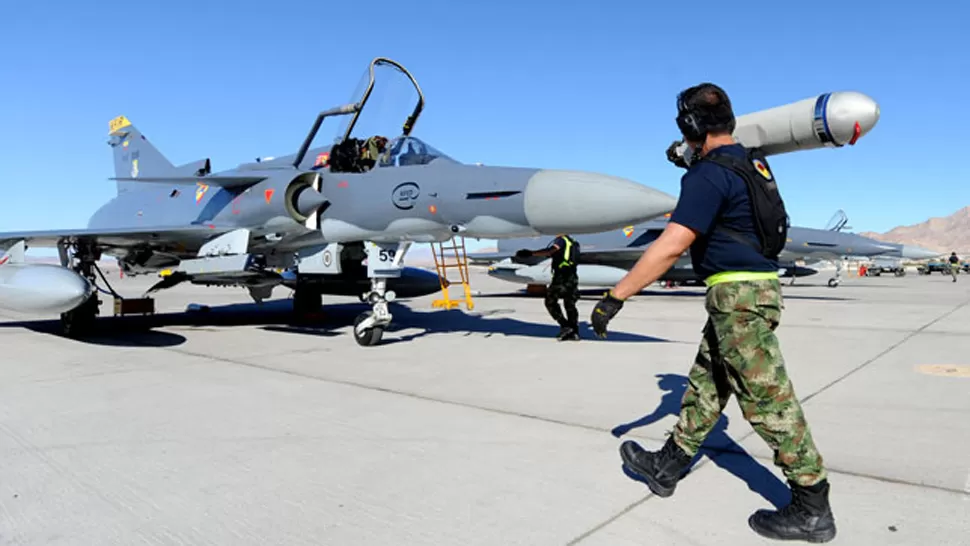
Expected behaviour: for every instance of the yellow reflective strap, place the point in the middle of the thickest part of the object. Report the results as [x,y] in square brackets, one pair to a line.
[569,247]
[736,276]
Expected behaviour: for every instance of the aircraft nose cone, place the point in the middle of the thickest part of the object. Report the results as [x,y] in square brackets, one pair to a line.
[308,201]
[911,252]
[845,109]
[558,201]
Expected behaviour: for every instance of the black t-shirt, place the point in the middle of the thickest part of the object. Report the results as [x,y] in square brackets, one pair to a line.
[560,256]
[954,259]
[710,195]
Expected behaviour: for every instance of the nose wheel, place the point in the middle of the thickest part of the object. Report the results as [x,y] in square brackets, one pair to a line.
[369,326]
[364,336]
[834,281]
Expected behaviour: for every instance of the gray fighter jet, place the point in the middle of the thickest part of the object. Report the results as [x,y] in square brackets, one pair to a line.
[329,220]
[606,257]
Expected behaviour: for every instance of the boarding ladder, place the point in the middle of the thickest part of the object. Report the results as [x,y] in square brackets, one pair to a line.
[442,264]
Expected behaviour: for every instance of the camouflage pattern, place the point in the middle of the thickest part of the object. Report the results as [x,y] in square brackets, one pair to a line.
[565,287]
[954,269]
[740,355]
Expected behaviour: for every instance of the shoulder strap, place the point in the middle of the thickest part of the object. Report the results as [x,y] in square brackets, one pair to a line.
[740,167]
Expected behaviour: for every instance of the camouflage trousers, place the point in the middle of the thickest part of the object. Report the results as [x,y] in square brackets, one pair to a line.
[739,354]
[563,287]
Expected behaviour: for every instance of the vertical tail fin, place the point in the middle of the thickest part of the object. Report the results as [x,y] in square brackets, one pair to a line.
[134,156]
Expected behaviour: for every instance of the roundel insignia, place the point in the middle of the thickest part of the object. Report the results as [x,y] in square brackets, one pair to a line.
[762,168]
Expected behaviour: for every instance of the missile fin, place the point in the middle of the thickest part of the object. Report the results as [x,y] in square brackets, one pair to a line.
[15,254]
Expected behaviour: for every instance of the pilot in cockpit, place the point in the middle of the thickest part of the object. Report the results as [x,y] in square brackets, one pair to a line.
[410,156]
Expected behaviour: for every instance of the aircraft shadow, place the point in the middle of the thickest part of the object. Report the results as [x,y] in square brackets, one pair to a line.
[277,316]
[728,455]
[109,332]
[454,320]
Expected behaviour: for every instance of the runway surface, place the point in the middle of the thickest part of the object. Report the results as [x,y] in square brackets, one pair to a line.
[235,426]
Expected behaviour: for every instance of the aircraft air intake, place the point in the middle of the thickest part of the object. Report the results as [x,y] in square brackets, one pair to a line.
[302,198]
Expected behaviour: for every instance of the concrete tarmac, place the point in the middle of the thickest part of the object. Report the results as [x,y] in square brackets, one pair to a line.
[235,426]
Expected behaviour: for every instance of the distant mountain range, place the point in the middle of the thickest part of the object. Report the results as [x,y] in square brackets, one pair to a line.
[945,234]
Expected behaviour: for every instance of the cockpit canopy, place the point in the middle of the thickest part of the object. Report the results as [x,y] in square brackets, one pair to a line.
[408,150]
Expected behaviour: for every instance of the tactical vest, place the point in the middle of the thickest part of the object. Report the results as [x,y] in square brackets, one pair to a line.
[566,258]
[768,212]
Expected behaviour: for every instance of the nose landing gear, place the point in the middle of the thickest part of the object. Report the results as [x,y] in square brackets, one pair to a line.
[383,262]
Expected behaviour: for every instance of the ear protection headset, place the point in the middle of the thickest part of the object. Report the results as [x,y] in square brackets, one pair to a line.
[696,120]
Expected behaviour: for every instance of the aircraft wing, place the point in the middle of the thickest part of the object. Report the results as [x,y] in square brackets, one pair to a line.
[162,236]
[227,182]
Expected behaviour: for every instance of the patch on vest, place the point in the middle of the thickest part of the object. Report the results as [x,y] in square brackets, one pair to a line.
[761,168]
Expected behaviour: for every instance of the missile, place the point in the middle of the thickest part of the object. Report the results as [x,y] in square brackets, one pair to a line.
[829,120]
[39,288]
[600,276]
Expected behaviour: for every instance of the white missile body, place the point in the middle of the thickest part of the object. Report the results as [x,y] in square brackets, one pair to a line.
[829,120]
[596,275]
[39,288]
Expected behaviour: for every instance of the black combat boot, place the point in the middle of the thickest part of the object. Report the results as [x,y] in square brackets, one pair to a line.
[661,470]
[808,517]
[571,333]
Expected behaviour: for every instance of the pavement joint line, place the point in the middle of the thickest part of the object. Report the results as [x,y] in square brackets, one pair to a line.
[602,525]
[885,352]
[591,428]
[632,506]
[595,529]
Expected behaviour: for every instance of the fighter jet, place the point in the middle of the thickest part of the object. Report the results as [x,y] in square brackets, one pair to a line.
[835,244]
[322,220]
[606,257]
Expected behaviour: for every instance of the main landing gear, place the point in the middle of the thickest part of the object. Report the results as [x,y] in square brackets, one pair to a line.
[80,321]
[384,261]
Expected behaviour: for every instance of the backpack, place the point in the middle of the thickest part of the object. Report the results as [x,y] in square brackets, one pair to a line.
[769,216]
[573,252]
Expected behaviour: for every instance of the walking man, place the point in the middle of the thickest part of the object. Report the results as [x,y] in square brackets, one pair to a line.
[564,252]
[731,217]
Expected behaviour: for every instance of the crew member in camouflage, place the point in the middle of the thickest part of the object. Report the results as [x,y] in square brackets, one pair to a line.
[565,287]
[954,265]
[564,254]
[739,354]
[718,220]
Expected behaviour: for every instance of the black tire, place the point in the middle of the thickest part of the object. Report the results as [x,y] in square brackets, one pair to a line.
[370,336]
[79,322]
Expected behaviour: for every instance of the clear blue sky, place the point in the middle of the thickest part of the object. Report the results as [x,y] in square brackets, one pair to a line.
[543,83]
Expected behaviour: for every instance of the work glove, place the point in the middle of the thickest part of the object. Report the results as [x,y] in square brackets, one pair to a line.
[524,253]
[603,313]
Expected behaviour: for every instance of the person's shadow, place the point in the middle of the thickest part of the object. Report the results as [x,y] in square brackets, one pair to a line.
[728,455]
